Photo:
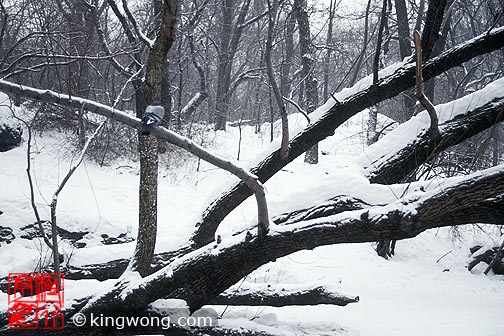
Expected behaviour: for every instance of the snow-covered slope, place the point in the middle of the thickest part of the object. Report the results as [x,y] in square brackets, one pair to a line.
[418,292]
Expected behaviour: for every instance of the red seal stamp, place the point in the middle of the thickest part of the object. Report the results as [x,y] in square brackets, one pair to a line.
[36,301]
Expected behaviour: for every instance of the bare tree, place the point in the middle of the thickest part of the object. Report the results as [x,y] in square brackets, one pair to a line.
[272,18]
[230,35]
[308,60]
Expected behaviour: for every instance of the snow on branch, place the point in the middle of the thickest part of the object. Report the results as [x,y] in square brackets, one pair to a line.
[346,103]
[284,295]
[330,207]
[147,41]
[226,263]
[229,165]
[401,151]
[103,40]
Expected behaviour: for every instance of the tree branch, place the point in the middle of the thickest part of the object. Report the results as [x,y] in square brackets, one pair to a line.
[231,166]
[336,114]
[272,18]
[103,41]
[148,42]
[390,166]
[426,103]
[300,110]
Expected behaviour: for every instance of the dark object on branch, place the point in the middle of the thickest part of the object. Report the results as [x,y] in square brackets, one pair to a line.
[154,113]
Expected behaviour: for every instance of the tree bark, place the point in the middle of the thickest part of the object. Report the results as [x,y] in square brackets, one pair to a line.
[272,18]
[284,297]
[148,145]
[389,169]
[433,20]
[394,167]
[404,51]
[230,36]
[308,61]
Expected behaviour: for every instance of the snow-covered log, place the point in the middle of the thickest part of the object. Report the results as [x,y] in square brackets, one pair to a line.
[114,268]
[283,296]
[203,274]
[332,206]
[401,151]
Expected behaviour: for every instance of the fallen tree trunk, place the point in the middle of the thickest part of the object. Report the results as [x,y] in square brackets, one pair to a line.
[202,275]
[386,87]
[385,166]
[392,166]
[284,297]
[348,105]
[232,166]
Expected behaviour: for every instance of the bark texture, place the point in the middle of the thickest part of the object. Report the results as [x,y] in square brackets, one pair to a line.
[282,298]
[308,61]
[148,145]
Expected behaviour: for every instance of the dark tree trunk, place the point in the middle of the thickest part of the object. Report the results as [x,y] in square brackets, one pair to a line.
[148,145]
[147,214]
[403,30]
[284,297]
[332,8]
[308,61]
[230,36]
[285,82]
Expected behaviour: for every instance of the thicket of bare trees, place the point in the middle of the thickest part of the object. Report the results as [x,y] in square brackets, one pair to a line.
[214,62]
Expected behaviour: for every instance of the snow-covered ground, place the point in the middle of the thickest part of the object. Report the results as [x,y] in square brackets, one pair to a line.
[418,292]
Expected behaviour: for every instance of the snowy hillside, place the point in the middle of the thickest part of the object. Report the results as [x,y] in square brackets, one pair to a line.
[424,290]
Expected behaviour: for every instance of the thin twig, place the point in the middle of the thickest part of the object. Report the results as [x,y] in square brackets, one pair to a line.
[419,94]
[296,105]
[28,174]
[444,255]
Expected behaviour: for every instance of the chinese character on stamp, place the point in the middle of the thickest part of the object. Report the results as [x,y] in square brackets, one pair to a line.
[36,301]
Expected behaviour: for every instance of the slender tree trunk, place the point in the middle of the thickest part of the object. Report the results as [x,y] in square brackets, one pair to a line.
[403,30]
[308,60]
[230,39]
[224,67]
[364,46]
[332,8]
[148,145]
[284,147]
[285,82]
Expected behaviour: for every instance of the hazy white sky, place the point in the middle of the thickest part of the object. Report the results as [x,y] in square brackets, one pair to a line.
[347,6]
